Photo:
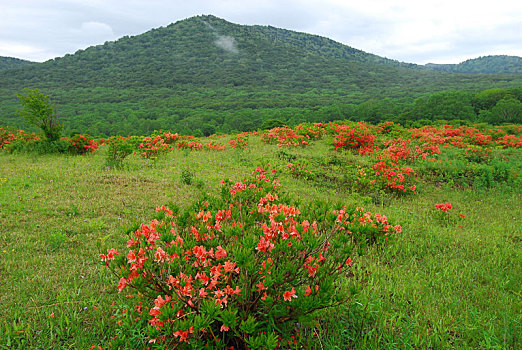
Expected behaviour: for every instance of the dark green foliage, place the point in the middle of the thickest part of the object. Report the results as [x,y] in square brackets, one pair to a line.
[37,110]
[10,62]
[272,123]
[41,147]
[119,149]
[500,64]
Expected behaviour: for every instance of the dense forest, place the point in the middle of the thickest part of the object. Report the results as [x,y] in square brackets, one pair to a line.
[500,64]
[204,75]
[11,62]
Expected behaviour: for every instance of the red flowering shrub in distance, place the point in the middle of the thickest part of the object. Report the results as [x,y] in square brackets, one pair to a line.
[238,271]
[167,137]
[211,146]
[313,131]
[239,142]
[358,138]
[285,136]
[192,145]
[120,147]
[10,135]
[395,178]
[81,144]
[152,147]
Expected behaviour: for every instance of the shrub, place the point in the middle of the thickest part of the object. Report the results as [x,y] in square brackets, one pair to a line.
[240,270]
[358,138]
[285,136]
[8,136]
[239,142]
[152,147]
[40,146]
[80,144]
[120,148]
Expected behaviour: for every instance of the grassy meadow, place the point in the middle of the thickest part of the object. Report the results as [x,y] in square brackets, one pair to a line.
[437,285]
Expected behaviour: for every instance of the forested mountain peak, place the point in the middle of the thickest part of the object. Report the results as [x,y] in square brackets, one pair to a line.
[206,72]
[202,50]
[496,64]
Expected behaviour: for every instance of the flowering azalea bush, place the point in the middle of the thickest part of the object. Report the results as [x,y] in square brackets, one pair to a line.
[119,148]
[396,178]
[313,131]
[358,138]
[236,271]
[152,147]
[239,142]
[81,144]
[9,136]
[285,136]
[212,146]
[190,144]
[167,137]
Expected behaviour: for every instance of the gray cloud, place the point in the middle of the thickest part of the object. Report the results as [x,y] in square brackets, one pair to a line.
[407,30]
[227,43]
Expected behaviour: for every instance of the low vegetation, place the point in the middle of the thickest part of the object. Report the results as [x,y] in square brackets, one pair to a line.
[260,239]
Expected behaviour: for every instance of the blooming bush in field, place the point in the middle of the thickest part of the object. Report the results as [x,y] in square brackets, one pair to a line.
[214,146]
[119,148]
[444,207]
[509,141]
[193,145]
[9,136]
[285,136]
[239,142]
[167,137]
[152,147]
[313,131]
[396,178]
[236,271]
[81,144]
[357,137]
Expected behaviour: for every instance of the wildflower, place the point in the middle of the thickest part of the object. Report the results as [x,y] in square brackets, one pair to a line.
[288,295]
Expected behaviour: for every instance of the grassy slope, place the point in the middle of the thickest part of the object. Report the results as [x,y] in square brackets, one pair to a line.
[433,287]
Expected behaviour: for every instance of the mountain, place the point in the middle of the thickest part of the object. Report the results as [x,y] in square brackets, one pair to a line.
[206,72]
[11,62]
[500,64]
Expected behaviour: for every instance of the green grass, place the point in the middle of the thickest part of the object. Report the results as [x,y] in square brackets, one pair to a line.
[435,286]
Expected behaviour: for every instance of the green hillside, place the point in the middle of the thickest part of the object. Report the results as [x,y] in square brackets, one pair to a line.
[11,62]
[207,73]
[500,64]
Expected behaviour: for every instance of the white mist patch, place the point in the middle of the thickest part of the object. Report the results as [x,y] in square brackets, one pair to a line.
[227,43]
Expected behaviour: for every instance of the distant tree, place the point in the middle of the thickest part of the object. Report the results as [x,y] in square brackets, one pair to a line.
[208,129]
[507,110]
[272,123]
[487,99]
[39,111]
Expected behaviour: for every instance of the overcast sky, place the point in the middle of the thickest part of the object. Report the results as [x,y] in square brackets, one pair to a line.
[418,31]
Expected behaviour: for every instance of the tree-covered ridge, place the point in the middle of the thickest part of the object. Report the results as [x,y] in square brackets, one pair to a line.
[207,74]
[500,64]
[11,62]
